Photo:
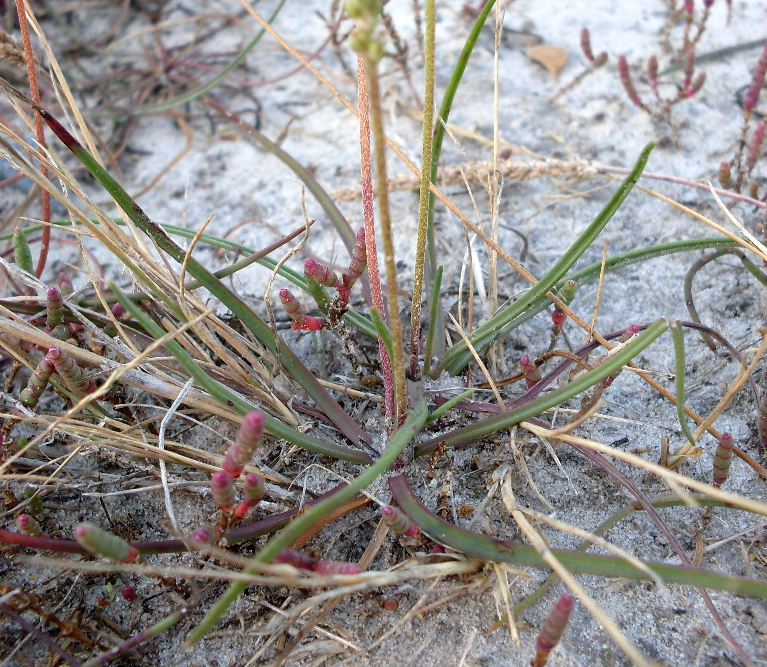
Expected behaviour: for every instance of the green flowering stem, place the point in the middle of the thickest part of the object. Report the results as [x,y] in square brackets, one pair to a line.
[399,440]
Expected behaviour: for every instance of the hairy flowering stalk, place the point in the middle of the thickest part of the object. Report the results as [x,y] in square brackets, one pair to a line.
[248,437]
[30,395]
[321,274]
[552,630]
[54,309]
[28,525]
[399,522]
[70,372]
[722,459]
[328,567]
[301,321]
[101,543]
[222,490]
[255,490]
[532,374]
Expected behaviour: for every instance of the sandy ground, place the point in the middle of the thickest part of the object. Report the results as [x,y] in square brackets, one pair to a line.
[220,174]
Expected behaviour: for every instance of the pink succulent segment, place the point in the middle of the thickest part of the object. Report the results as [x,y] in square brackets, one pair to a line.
[757,81]
[321,274]
[255,490]
[292,307]
[722,459]
[328,567]
[68,369]
[54,308]
[295,558]
[204,536]
[28,525]
[37,383]
[552,630]
[99,542]
[222,490]
[399,522]
[532,374]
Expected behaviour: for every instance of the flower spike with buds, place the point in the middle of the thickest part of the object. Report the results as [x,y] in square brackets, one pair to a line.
[552,630]
[301,322]
[399,522]
[246,441]
[101,543]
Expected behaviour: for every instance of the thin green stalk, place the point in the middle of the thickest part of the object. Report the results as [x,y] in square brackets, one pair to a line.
[444,113]
[162,107]
[458,355]
[677,333]
[425,192]
[231,398]
[401,438]
[612,364]
[387,240]
[250,320]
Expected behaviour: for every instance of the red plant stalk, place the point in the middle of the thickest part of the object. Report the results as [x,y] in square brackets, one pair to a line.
[39,132]
[366,178]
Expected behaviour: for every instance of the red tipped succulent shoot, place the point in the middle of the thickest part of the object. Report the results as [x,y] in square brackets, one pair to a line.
[399,522]
[28,525]
[101,543]
[248,437]
[558,319]
[204,536]
[628,85]
[301,322]
[552,630]
[321,274]
[71,373]
[255,490]
[222,490]
[357,266]
[30,395]
[532,374]
[54,309]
